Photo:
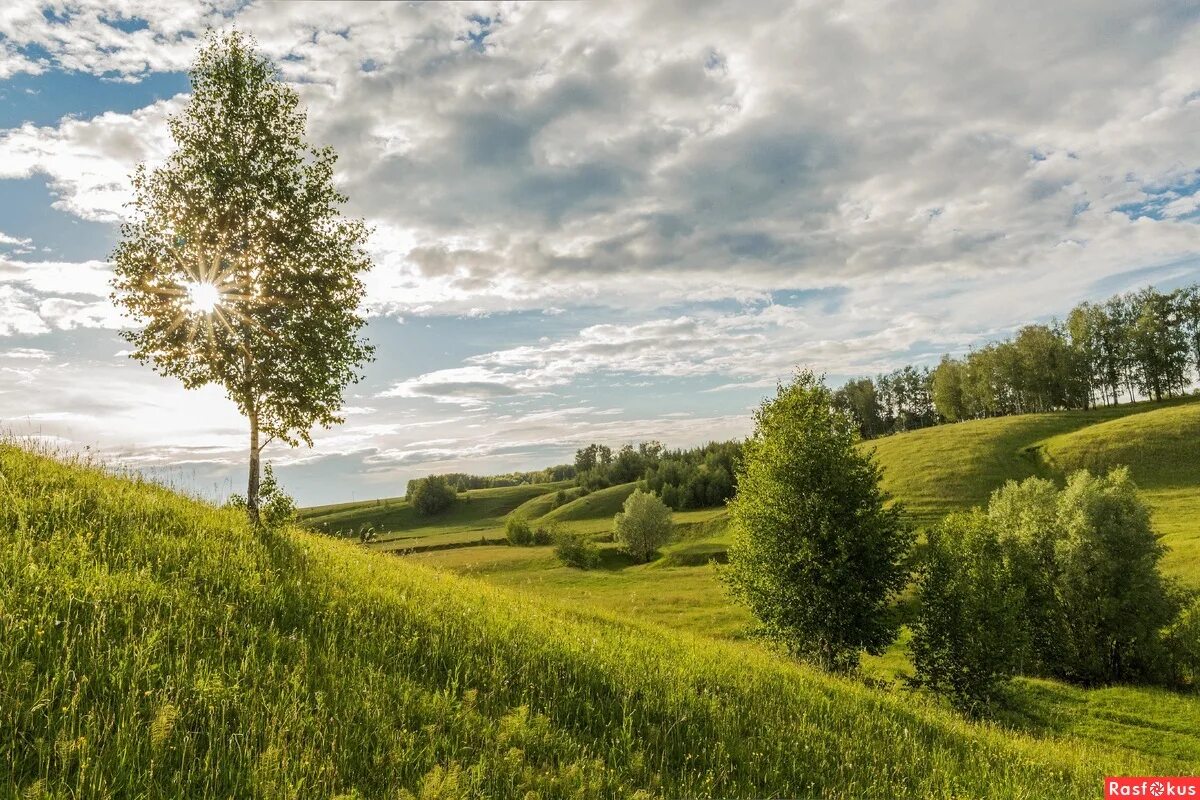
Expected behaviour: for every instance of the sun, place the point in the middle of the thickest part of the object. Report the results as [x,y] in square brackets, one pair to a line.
[202,297]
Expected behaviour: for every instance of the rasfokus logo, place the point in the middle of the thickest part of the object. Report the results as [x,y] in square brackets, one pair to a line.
[1156,786]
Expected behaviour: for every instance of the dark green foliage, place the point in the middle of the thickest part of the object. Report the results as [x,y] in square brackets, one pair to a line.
[576,550]
[544,534]
[1182,639]
[816,554]
[463,482]
[518,531]
[702,477]
[246,210]
[970,635]
[431,495]
[1113,596]
[1060,583]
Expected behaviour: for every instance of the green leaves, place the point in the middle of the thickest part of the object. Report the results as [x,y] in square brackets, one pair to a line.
[244,206]
[816,555]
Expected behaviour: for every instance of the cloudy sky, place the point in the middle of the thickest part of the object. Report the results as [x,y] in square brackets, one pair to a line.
[606,221]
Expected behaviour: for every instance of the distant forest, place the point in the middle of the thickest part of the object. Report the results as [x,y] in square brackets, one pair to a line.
[1140,345]
[1143,344]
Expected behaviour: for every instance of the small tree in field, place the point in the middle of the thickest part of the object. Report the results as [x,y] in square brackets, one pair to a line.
[431,495]
[643,526]
[816,554]
[237,261]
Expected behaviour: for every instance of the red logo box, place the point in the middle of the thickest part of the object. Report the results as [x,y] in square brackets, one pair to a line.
[1156,786]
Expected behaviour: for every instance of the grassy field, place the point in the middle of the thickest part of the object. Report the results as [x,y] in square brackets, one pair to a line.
[476,512]
[1162,450]
[932,471]
[152,646]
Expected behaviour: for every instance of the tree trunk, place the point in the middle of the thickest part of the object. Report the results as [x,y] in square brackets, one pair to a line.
[252,485]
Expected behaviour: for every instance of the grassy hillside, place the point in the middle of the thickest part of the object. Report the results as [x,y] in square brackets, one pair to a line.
[1162,450]
[392,518]
[154,646]
[952,467]
[601,504]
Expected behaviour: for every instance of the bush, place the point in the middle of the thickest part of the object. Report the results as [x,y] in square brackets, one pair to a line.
[1113,596]
[970,635]
[1182,639]
[276,508]
[816,554]
[643,526]
[1062,583]
[431,495]
[577,550]
[545,534]
[560,498]
[518,532]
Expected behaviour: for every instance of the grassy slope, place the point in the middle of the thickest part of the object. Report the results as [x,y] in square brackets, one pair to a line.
[153,646]
[1162,450]
[932,471]
[476,512]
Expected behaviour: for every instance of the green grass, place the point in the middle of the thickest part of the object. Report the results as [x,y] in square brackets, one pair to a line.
[600,504]
[1162,450]
[152,646]
[475,510]
[933,471]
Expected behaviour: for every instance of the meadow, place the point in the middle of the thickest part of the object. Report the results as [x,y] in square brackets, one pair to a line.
[932,471]
[152,645]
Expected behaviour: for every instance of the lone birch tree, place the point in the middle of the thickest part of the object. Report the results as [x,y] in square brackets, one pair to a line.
[237,262]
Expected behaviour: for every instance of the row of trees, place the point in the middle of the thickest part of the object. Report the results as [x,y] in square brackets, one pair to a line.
[1140,345]
[700,477]
[462,481]
[1048,582]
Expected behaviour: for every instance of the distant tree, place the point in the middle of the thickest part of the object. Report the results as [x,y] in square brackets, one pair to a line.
[1160,345]
[858,398]
[1189,316]
[643,525]
[816,553]
[237,261]
[949,392]
[970,635]
[431,495]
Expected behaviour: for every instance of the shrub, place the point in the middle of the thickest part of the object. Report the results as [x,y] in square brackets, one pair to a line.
[816,555]
[1113,596]
[1063,583]
[970,635]
[643,526]
[560,498]
[431,495]
[276,508]
[1182,639]
[545,534]
[518,532]
[577,550]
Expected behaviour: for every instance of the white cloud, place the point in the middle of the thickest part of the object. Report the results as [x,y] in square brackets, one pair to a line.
[5,239]
[88,162]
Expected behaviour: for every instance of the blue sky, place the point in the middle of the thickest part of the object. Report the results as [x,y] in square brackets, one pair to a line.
[605,222]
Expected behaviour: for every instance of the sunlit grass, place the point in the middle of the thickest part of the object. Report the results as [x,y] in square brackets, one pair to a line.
[151,646]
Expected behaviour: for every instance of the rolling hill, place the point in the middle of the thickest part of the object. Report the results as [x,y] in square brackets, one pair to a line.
[155,646]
